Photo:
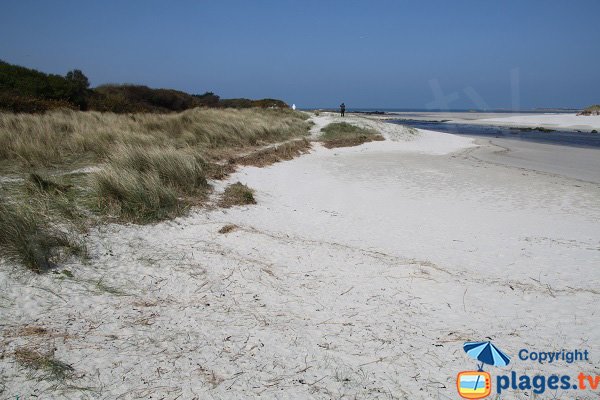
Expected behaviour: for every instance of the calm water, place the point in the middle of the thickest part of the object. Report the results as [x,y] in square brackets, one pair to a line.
[565,138]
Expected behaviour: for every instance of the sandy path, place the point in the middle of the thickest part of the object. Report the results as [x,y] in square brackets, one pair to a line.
[360,273]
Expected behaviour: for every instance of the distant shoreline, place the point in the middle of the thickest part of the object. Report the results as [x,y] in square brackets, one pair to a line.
[384,110]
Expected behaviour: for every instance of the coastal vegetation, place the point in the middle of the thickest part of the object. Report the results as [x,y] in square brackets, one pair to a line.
[72,156]
[237,194]
[29,91]
[28,237]
[342,134]
[75,138]
[591,110]
[64,170]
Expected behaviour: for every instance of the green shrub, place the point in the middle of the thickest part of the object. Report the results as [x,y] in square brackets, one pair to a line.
[25,84]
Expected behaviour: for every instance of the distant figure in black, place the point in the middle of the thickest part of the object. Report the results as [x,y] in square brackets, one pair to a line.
[342,109]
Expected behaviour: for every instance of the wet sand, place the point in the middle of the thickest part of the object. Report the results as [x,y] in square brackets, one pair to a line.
[571,162]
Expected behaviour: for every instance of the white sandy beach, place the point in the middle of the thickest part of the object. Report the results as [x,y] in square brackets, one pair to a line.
[359,274]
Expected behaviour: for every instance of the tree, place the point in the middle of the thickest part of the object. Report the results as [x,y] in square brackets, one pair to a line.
[78,78]
[78,85]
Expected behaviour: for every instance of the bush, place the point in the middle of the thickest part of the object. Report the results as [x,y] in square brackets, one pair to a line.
[247,103]
[27,90]
[23,104]
[25,85]
[138,98]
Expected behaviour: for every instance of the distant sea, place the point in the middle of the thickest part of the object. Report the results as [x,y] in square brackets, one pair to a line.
[426,110]
[564,138]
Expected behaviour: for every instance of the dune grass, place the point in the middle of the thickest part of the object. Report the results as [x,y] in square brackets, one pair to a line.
[65,137]
[149,184]
[150,167]
[343,134]
[27,237]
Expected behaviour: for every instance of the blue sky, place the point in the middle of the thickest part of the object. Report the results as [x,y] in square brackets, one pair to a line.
[405,54]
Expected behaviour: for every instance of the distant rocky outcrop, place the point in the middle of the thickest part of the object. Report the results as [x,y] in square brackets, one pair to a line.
[591,110]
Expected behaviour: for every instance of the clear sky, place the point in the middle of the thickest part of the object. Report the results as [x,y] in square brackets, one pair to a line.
[404,54]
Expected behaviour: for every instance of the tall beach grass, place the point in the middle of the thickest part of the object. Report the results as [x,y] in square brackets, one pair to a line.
[150,167]
[27,237]
[63,137]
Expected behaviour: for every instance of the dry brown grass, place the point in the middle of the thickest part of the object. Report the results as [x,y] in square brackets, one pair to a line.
[353,141]
[228,228]
[274,154]
[32,330]
[43,362]
[237,194]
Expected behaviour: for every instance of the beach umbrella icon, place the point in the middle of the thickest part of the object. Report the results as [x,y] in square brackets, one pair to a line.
[486,353]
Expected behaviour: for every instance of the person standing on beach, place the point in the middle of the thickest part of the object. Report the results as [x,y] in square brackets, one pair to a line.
[342,109]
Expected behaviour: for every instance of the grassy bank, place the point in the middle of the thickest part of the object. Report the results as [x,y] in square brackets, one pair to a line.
[72,137]
[342,134]
[148,167]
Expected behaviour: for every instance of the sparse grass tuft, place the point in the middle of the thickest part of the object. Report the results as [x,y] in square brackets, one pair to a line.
[237,194]
[228,228]
[45,362]
[26,237]
[343,134]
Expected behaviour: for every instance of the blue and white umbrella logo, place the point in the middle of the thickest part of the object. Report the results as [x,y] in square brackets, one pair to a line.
[486,353]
